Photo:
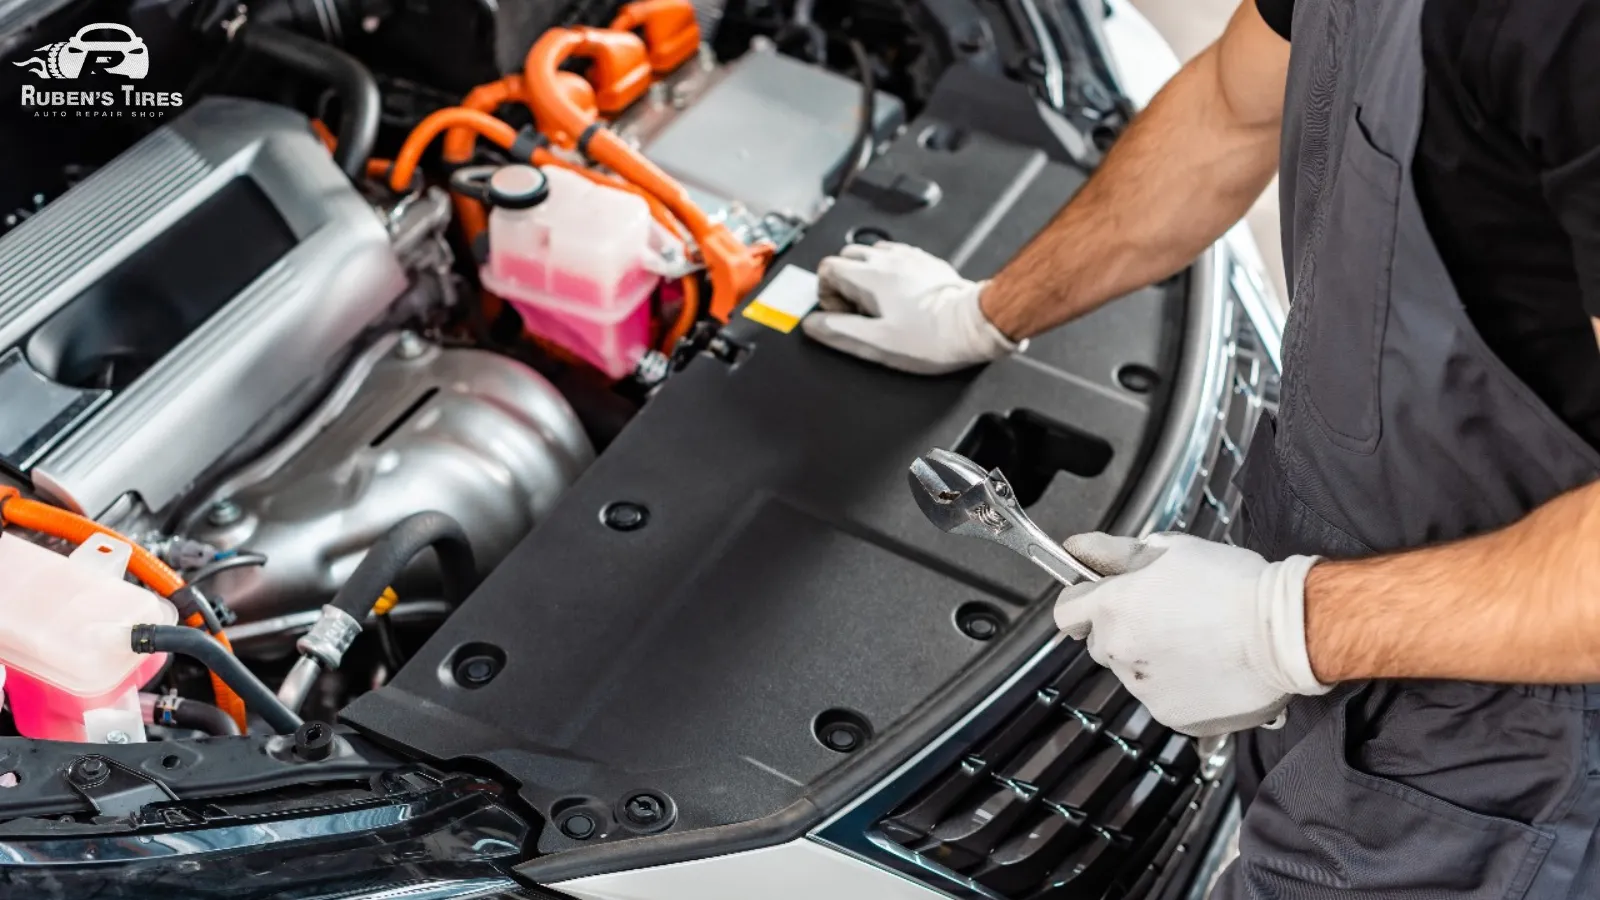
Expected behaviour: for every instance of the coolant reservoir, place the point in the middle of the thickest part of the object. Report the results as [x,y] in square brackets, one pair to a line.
[571,256]
[66,641]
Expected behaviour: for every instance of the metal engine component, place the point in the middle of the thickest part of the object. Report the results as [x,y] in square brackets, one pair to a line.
[756,138]
[410,426]
[198,291]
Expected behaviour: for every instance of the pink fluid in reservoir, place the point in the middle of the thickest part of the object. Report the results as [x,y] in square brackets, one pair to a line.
[71,673]
[573,266]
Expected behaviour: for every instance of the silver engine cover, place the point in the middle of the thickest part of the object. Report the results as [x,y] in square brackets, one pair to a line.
[410,427]
[270,346]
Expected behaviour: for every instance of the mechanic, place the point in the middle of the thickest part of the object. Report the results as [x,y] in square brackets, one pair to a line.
[1440,187]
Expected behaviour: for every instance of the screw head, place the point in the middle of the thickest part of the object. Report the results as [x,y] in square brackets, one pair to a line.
[224,513]
[89,771]
[653,368]
[580,826]
[625,515]
[410,346]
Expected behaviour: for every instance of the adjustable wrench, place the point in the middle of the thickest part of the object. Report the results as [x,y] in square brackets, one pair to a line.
[958,496]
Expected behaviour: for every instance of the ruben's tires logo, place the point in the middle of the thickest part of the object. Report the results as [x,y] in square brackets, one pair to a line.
[103,47]
[104,51]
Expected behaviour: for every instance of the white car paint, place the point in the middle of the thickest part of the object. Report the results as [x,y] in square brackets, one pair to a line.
[1141,57]
[798,870]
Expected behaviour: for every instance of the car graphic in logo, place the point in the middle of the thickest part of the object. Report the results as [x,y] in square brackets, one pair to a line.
[102,47]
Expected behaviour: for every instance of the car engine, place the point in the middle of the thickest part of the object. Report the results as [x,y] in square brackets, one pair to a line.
[219,344]
[404,418]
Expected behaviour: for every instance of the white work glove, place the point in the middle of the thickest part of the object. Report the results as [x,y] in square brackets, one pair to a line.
[1211,638]
[904,308]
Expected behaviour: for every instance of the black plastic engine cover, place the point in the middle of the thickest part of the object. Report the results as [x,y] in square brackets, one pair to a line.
[783,570]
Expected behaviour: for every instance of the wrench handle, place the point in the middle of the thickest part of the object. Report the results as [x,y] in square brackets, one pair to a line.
[1063,566]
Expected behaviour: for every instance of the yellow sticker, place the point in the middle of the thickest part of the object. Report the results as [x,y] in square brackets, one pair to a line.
[772,318]
[785,300]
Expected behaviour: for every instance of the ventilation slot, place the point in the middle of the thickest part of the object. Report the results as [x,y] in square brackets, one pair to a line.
[1079,794]
[1030,449]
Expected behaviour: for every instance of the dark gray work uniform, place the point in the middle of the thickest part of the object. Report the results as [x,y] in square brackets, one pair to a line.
[1399,427]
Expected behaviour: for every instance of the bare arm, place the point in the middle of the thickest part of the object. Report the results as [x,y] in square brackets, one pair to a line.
[1521,605]
[1187,168]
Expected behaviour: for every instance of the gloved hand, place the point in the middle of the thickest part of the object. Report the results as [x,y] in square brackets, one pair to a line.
[1211,638]
[904,308]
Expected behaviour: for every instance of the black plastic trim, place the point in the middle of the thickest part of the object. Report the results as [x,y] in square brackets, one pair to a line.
[874,764]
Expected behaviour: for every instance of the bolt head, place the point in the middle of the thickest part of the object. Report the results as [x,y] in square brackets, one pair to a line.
[224,513]
[410,346]
[90,771]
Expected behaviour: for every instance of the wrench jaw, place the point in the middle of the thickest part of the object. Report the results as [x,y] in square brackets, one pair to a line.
[961,498]
[935,496]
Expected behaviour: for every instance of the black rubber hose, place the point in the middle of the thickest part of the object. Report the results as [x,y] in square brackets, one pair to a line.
[203,717]
[193,714]
[200,646]
[394,552]
[861,148]
[359,101]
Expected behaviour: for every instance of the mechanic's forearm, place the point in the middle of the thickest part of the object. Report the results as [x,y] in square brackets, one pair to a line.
[1186,169]
[1521,605]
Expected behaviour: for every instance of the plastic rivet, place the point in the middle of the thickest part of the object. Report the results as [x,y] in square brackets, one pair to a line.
[578,826]
[625,516]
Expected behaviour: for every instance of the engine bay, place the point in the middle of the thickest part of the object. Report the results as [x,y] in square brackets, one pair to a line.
[426,390]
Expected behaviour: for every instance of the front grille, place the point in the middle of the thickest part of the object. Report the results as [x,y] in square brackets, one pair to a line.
[1078,793]
[1250,388]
